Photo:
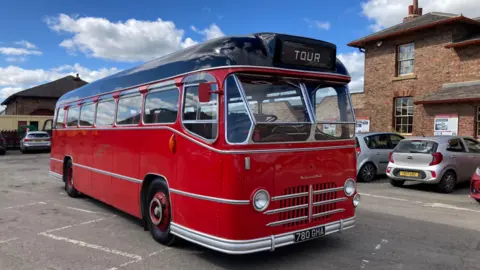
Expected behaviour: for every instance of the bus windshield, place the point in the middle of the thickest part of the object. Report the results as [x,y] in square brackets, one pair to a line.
[281,110]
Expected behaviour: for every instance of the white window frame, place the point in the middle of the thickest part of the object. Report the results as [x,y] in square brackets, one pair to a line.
[396,117]
[399,61]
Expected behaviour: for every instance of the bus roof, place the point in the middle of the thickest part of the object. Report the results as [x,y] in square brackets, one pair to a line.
[258,50]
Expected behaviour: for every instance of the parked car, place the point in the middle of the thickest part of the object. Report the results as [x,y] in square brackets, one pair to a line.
[444,161]
[372,153]
[35,140]
[475,185]
[3,145]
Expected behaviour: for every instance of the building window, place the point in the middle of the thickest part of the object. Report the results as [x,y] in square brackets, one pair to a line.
[404,115]
[406,59]
[478,121]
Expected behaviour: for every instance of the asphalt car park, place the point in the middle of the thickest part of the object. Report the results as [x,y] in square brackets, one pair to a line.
[411,227]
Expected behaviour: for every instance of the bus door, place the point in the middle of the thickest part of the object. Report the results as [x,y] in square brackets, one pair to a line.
[199,169]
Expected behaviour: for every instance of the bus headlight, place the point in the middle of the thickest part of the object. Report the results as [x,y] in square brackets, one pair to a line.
[356,200]
[349,187]
[261,200]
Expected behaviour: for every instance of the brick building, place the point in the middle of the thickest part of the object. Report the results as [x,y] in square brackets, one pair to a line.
[422,76]
[41,100]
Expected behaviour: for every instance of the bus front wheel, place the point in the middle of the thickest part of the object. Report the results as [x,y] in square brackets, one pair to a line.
[158,213]
[68,179]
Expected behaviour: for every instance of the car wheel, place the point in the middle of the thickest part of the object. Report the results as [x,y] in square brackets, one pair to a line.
[397,183]
[367,173]
[448,182]
[2,153]
[478,200]
[158,213]
[68,179]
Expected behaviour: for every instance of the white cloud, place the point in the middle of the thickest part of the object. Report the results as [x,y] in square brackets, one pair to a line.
[18,51]
[386,13]
[16,59]
[321,25]
[15,78]
[130,41]
[26,44]
[211,32]
[355,63]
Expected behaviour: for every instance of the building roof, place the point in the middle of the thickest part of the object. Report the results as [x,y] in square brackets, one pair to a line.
[452,92]
[54,89]
[474,39]
[259,49]
[426,21]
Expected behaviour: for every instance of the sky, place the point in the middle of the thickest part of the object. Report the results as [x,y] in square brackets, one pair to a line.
[41,41]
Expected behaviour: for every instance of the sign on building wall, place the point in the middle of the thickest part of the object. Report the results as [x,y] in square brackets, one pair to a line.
[446,124]
[363,125]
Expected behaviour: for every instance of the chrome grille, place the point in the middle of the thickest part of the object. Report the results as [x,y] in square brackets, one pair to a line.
[306,203]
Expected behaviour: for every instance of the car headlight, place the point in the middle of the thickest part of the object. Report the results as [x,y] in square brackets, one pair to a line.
[349,187]
[477,171]
[261,200]
[356,200]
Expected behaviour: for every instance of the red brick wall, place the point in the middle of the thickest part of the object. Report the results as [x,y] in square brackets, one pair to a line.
[434,66]
[466,117]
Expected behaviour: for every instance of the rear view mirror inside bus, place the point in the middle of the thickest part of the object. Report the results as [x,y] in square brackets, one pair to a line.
[204,91]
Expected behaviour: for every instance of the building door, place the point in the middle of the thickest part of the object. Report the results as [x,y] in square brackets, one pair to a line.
[34,125]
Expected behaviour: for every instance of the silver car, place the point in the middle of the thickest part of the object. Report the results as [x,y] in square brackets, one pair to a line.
[373,150]
[35,140]
[442,160]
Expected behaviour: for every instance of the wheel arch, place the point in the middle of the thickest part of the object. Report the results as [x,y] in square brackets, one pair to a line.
[65,160]
[449,169]
[147,180]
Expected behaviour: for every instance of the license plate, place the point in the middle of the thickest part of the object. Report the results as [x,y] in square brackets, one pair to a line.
[408,174]
[309,234]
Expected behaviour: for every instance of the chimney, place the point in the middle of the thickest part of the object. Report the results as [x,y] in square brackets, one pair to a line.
[413,11]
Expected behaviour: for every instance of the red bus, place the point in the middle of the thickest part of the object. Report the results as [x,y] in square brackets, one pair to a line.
[240,144]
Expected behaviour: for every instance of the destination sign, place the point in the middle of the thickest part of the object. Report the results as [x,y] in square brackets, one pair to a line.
[318,56]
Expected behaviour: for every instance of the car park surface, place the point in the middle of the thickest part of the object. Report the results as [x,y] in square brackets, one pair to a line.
[412,227]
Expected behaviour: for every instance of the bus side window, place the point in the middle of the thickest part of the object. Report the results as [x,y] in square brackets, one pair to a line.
[59,121]
[129,110]
[200,118]
[72,116]
[161,107]
[105,113]
[87,114]
[238,121]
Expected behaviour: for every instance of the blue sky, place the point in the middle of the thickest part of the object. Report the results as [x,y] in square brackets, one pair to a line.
[40,42]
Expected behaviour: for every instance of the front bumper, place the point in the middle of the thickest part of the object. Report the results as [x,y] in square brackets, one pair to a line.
[430,175]
[254,245]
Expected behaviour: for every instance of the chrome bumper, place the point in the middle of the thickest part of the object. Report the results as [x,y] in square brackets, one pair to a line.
[254,245]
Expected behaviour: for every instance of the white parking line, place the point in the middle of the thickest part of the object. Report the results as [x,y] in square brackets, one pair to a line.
[159,251]
[84,210]
[23,205]
[452,207]
[92,246]
[75,225]
[8,240]
[386,197]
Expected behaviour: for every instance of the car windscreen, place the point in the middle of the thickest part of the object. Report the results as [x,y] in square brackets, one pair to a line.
[38,135]
[416,146]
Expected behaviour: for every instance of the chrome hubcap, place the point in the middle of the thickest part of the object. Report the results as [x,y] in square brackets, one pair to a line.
[155,211]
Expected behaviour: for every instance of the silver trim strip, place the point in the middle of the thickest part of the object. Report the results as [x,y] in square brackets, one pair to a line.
[289,196]
[208,198]
[57,160]
[176,191]
[109,173]
[330,201]
[286,209]
[252,245]
[286,150]
[286,221]
[339,210]
[310,202]
[203,70]
[323,191]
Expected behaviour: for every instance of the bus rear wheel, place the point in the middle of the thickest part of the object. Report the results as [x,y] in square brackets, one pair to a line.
[158,213]
[68,179]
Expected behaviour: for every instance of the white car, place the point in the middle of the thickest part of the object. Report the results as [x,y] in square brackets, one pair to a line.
[35,140]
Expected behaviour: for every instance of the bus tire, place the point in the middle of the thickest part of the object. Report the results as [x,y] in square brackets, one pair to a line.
[158,213]
[68,179]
